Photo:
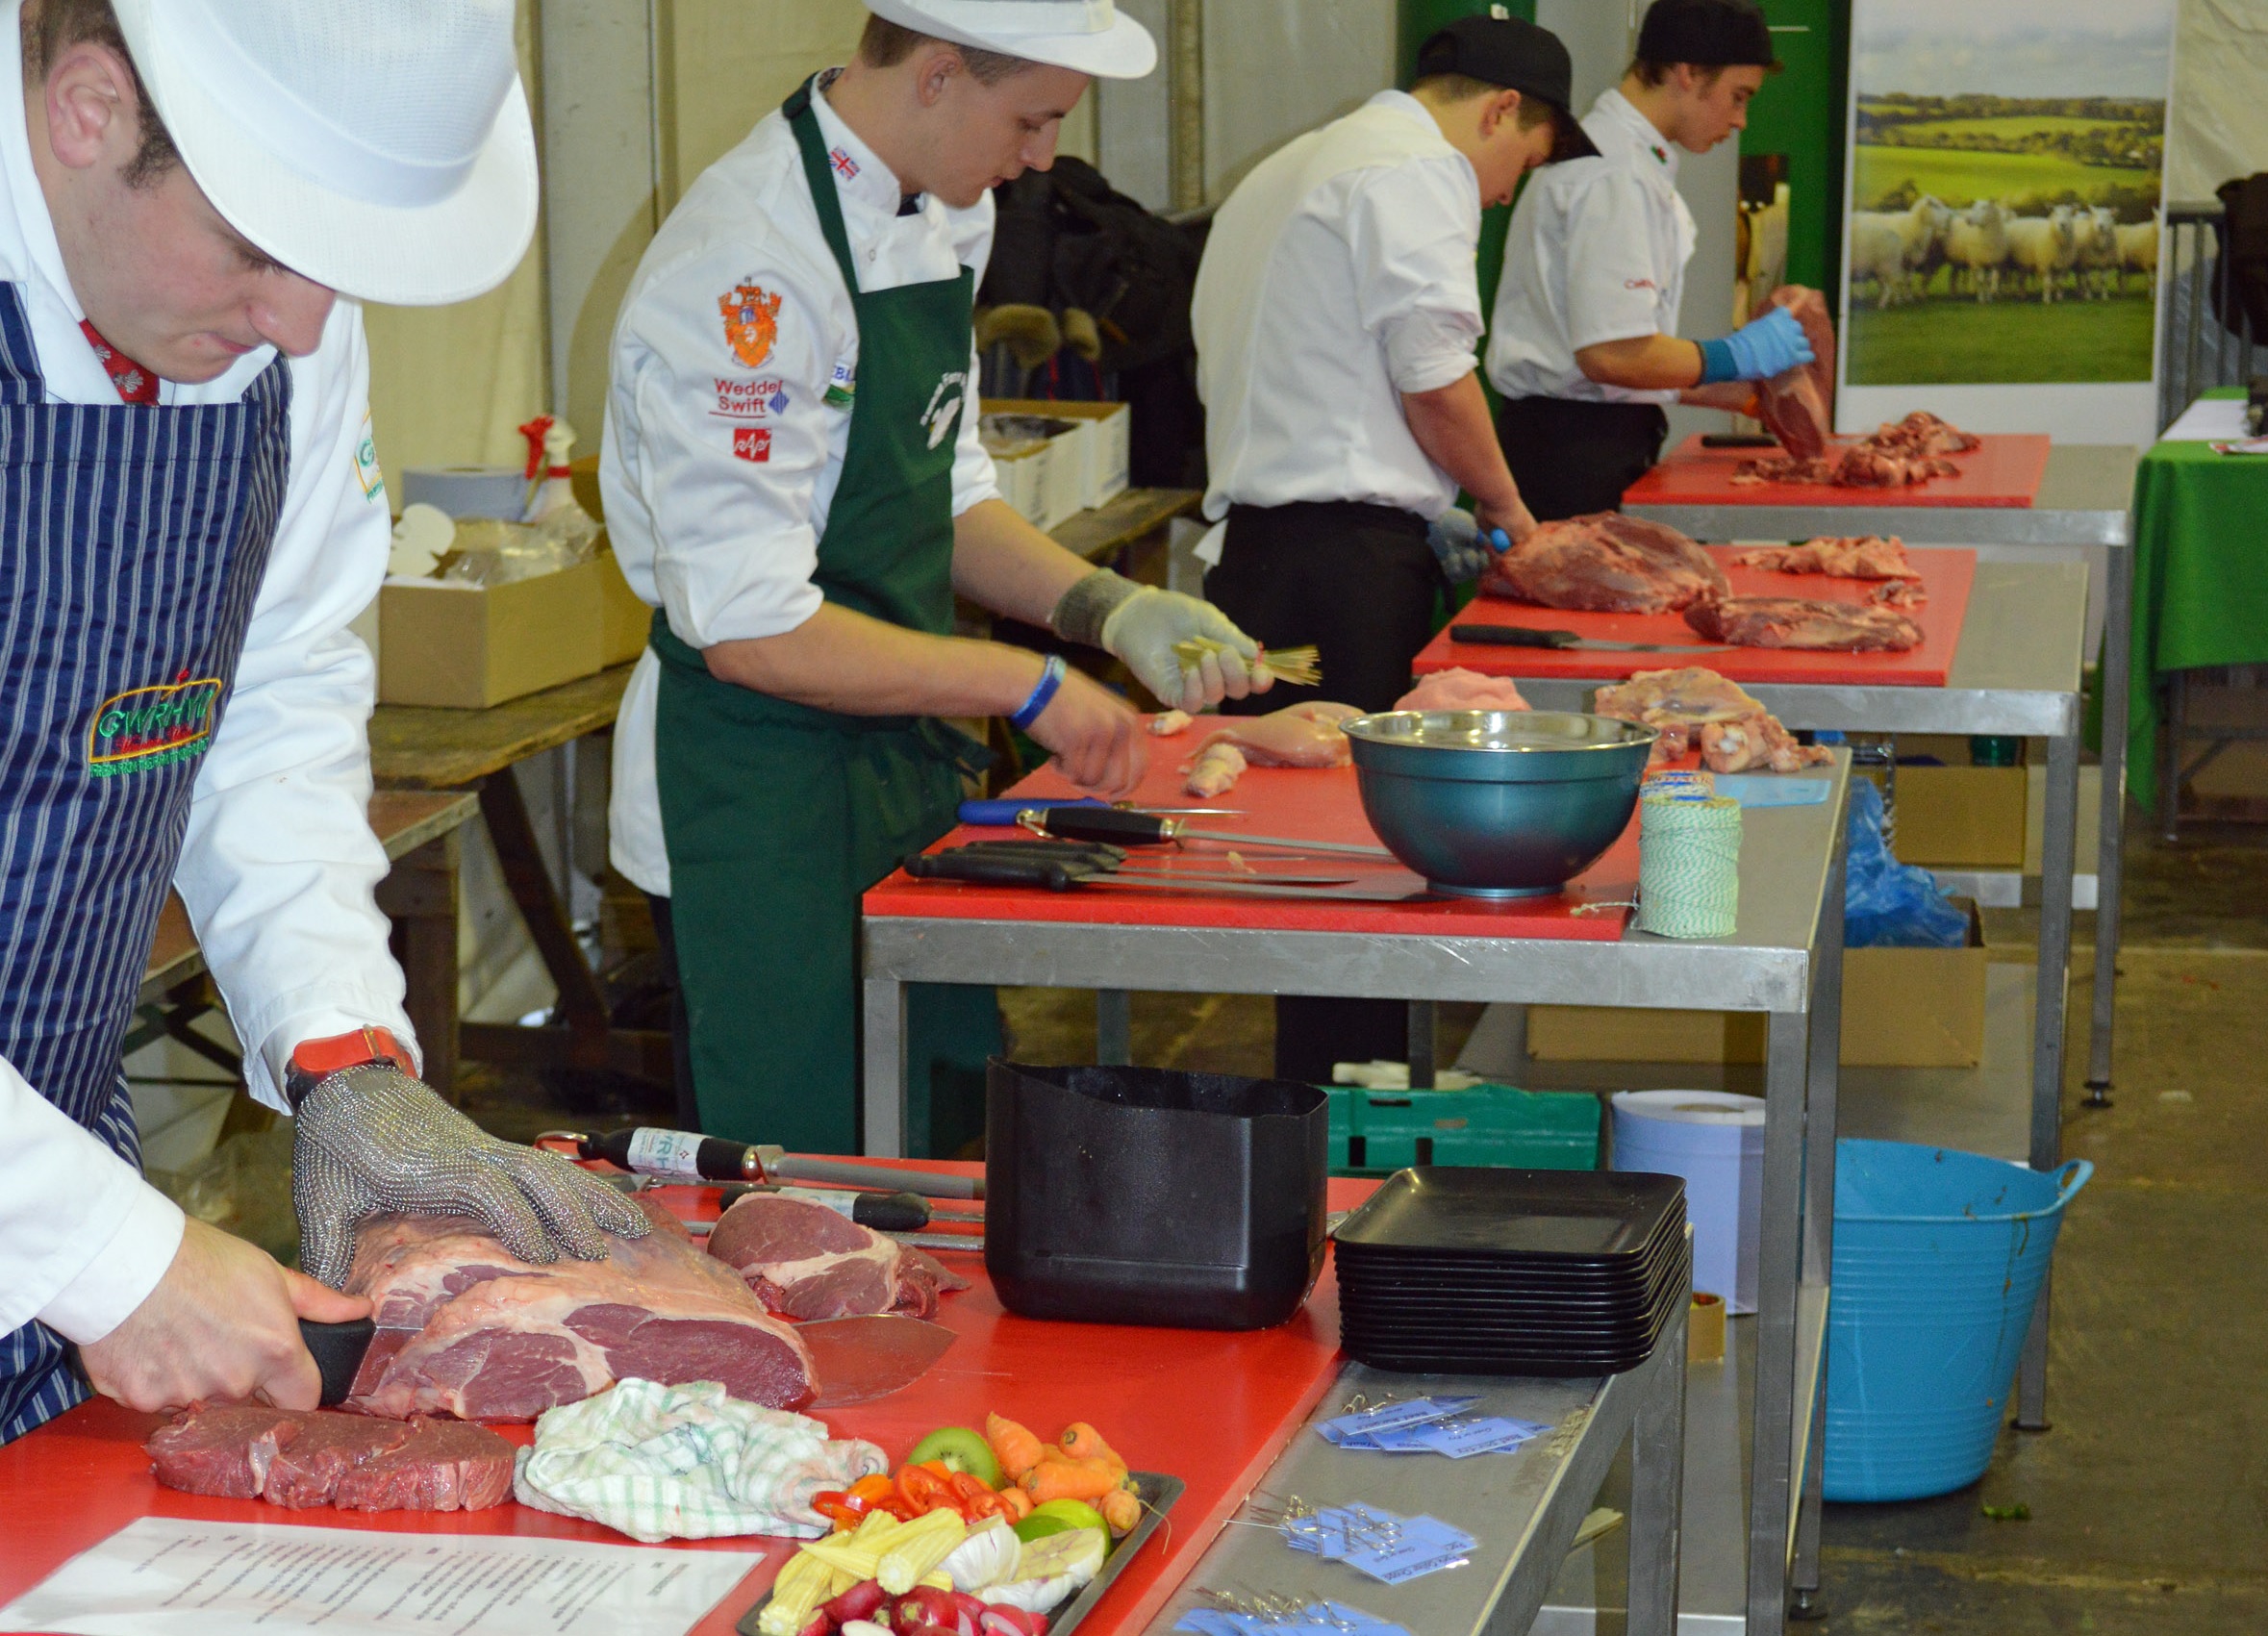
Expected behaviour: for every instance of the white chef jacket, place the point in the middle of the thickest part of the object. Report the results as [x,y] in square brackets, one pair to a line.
[1339,275]
[718,471]
[279,864]
[1595,252]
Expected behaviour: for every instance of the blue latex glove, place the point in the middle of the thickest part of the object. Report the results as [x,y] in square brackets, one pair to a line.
[1772,345]
[1461,549]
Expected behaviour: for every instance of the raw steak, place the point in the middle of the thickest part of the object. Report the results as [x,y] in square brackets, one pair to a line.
[1853,556]
[300,1459]
[466,1329]
[1606,563]
[1797,405]
[1792,622]
[1893,455]
[810,1261]
[1460,688]
[446,1466]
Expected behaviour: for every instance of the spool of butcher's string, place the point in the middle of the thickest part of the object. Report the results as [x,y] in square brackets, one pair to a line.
[1688,866]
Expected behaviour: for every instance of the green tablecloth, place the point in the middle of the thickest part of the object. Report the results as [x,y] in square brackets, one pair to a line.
[2200,578]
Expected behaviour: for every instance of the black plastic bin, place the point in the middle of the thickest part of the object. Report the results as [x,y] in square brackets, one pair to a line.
[1138,1196]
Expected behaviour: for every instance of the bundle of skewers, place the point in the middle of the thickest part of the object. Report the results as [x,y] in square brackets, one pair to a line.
[1298,666]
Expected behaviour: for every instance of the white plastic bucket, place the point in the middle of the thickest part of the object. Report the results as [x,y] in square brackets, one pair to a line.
[1715,1139]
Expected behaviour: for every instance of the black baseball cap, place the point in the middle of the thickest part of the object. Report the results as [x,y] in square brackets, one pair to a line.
[1518,55]
[1708,34]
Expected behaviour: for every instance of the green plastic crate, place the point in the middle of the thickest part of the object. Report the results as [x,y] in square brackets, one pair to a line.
[1375,1132]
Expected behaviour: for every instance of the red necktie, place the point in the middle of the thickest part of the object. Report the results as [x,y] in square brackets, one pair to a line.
[134,383]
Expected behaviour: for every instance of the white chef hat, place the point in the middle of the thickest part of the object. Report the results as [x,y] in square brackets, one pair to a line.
[1092,37]
[379,147]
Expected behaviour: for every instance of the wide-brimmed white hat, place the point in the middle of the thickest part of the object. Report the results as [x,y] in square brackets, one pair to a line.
[1093,36]
[379,147]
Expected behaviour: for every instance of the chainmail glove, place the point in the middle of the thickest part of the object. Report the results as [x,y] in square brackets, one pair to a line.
[371,1139]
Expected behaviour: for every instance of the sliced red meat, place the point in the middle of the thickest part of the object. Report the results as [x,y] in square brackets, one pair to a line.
[225,1450]
[500,1340]
[304,1458]
[1798,406]
[1606,563]
[307,1469]
[444,1465]
[1792,622]
[1893,455]
[1852,556]
[809,1261]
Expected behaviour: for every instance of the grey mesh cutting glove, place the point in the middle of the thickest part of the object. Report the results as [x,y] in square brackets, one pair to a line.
[1138,625]
[371,1139]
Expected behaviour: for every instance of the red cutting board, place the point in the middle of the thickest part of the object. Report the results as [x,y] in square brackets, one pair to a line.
[1307,804]
[1947,575]
[83,1476]
[2004,470]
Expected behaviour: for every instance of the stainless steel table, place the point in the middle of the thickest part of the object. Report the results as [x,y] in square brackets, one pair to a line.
[2016,672]
[1783,959]
[2085,500]
[1523,1508]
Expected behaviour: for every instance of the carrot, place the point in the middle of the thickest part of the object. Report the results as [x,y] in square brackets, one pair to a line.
[1016,1449]
[1014,1504]
[1082,1441]
[1059,1477]
[1122,1509]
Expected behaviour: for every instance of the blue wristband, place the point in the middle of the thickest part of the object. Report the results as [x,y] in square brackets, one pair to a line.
[1043,695]
[1718,362]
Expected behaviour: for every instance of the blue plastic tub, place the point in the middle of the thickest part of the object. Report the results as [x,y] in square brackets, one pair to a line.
[1938,1261]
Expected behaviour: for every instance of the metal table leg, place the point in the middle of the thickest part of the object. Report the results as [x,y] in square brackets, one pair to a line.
[884,1035]
[1771,1466]
[2057,858]
[2173,729]
[1819,1195]
[2118,654]
[1113,1027]
[1657,1484]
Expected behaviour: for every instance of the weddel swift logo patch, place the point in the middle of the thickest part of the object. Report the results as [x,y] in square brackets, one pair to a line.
[751,322]
[148,727]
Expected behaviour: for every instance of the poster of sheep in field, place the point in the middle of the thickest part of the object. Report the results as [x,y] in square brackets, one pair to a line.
[2003,221]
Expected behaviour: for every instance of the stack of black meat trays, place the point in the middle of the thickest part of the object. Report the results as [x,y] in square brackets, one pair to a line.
[1448,1270]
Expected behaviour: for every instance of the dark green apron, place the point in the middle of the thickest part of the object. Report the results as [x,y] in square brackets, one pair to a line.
[778,816]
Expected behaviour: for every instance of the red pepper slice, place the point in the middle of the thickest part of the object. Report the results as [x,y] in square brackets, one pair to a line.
[923,1489]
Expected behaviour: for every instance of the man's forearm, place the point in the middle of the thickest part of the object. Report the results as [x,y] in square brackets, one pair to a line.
[848,663]
[1002,563]
[1647,363]
[1451,425]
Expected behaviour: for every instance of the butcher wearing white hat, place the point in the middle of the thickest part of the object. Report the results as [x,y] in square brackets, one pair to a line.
[194,196]
[793,480]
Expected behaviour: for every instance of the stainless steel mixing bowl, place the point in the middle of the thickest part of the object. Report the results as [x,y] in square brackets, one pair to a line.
[1498,803]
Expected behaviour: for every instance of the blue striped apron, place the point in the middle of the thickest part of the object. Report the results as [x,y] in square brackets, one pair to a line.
[132,544]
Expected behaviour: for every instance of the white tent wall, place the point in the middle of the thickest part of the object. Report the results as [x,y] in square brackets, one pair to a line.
[2217,124]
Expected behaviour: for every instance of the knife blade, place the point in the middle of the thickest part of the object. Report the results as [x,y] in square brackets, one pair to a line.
[859,1359]
[1001,814]
[1142,829]
[1528,636]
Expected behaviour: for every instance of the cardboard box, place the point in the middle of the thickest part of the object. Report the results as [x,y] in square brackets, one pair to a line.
[1961,817]
[1103,434]
[1901,1008]
[1022,477]
[468,646]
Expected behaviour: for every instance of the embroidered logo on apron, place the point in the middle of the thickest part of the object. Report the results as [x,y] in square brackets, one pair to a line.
[147,727]
[938,415]
[751,322]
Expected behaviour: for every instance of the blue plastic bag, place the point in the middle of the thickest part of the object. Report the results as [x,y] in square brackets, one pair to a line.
[1887,904]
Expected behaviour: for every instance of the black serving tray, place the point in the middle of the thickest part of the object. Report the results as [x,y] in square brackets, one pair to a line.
[1157,1490]
[1563,1221]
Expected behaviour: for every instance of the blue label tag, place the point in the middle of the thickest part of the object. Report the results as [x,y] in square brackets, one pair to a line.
[1773,789]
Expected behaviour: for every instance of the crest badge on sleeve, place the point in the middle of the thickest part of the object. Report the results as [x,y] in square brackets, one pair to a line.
[751,322]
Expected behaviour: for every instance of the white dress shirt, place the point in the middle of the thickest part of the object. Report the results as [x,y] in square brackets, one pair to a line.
[1595,252]
[1338,276]
[717,473]
[279,864]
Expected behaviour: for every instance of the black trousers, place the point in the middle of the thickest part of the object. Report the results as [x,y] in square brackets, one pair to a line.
[1359,582]
[1571,457]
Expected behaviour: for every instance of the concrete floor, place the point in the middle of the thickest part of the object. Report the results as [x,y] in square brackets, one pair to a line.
[2149,1498]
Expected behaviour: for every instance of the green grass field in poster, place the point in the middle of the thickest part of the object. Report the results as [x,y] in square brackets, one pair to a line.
[1960,343]
[1962,177]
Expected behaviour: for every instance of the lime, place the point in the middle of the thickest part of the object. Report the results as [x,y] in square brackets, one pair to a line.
[1039,1527]
[1075,1513]
[1075,1552]
[961,1450]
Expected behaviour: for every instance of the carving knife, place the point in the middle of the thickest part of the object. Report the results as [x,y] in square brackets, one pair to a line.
[1528,636]
[337,1349]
